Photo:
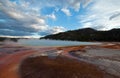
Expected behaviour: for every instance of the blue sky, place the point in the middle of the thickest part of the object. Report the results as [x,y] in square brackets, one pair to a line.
[36,18]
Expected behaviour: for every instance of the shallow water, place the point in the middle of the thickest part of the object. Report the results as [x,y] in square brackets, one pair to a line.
[43,42]
[103,52]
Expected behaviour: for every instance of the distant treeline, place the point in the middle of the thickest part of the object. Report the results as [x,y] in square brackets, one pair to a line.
[11,39]
[87,34]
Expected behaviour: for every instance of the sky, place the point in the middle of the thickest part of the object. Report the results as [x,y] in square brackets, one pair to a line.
[37,18]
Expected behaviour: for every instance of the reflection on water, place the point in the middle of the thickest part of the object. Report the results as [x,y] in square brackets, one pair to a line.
[43,42]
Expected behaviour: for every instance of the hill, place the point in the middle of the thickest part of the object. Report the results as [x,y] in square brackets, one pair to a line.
[87,34]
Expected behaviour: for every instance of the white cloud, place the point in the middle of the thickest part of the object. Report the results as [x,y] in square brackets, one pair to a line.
[75,4]
[100,13]
[53,30]
[56,9]
[87,25]
[52,16]
[86,2]
[66,11]
[57,29]
[37,27]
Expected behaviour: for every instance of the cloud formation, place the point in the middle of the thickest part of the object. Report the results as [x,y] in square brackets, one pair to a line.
[75,4]
[114,15]
[52,16]
[25,18]
[20,19]
[16,17]
[53,30]
[102,14]
[66,11]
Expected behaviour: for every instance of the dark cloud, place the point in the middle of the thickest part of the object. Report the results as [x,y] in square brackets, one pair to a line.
[7,32]
[13,24]
[44,33]
[114,16]
[17,21]
[99,27]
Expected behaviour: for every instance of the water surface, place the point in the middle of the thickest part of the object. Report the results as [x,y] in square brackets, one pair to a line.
[43,42]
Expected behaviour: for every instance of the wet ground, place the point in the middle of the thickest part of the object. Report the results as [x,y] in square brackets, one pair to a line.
[11,57]
[104,57]
[107,59]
